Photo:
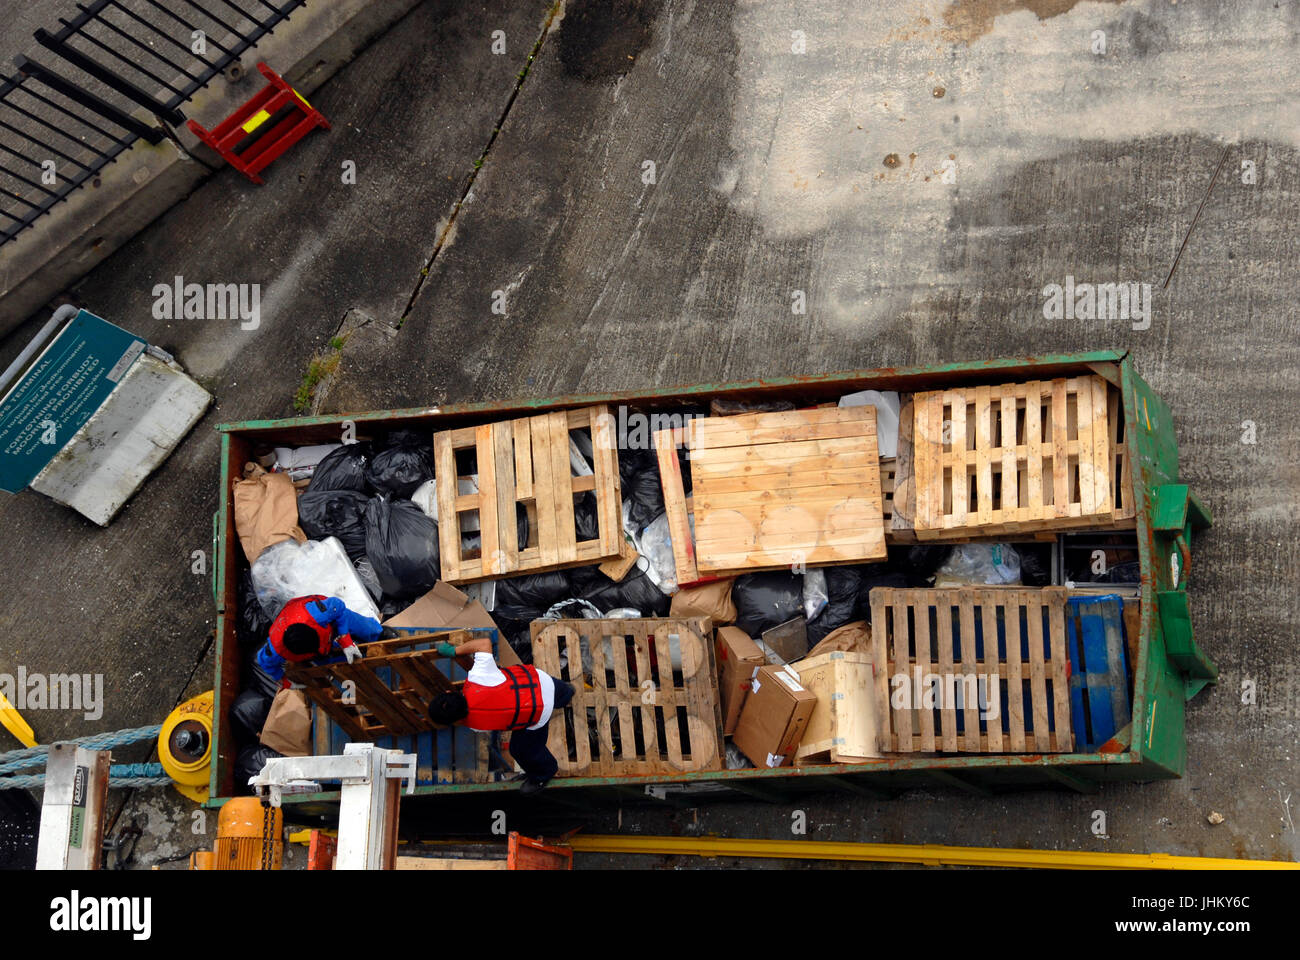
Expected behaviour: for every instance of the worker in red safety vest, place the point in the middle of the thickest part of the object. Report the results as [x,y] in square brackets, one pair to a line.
[518,698]
[308,627]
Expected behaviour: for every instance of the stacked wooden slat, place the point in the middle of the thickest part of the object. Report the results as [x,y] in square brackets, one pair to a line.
[1012,459]
[775,490]
[634,711]
[971,670]
[527,461]
[387,692]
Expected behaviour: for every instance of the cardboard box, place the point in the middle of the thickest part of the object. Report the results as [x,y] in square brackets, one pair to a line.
[737,656]
[842,728]
[445,606]
[774,717]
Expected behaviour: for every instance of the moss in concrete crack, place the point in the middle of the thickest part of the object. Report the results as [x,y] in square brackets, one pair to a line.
[321,367]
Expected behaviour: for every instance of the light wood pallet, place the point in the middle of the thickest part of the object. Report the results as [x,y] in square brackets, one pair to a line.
[774,489]
[648,718]
[368,706]
[1015,458]
[1014,639]
[527,461]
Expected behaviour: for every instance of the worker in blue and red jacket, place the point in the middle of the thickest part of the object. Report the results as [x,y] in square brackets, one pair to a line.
[308,627]
[518,698]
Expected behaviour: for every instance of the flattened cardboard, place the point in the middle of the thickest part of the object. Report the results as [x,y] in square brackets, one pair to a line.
[774,717]
[445,606]
[737,656]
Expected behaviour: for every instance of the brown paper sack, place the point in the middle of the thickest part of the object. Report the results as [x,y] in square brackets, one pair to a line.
[266,512]
[712,600]
[853,637]
[288,726]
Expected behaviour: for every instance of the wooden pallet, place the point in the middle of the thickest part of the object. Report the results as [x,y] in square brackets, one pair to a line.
[775,489]
[368,704]
[527,462]
[1027,457]
[645,717]
[1020,680]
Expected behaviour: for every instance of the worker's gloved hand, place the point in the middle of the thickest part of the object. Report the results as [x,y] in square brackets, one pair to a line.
[353,653]
[445,649]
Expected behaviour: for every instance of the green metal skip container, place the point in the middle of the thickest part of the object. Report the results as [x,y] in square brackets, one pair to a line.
[1168,669]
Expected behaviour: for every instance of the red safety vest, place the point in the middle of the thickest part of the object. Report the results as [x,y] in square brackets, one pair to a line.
[295,611]
[512,705]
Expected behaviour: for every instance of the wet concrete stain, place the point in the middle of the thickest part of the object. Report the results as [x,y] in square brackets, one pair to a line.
[967,21]
[600,40]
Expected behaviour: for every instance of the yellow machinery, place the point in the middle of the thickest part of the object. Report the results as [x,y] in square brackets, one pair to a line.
[185,746]
[248,838]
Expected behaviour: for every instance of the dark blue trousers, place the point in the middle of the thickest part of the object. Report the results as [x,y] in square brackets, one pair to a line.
[528,747]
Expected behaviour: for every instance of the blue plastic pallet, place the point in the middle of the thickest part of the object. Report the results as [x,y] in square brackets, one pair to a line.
[1099,691]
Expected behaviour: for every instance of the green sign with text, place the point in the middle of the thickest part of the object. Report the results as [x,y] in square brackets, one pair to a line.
[61,390]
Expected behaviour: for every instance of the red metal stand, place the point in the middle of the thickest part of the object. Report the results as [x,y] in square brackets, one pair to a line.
[240,128]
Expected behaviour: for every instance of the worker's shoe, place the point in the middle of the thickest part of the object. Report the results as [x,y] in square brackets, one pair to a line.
[530,786]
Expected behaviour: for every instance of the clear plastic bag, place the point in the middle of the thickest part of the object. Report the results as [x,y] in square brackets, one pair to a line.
[290,569]
[815,596]
[656,548]
[986,563]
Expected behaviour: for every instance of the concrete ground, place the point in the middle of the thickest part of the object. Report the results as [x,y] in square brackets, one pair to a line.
[669,178]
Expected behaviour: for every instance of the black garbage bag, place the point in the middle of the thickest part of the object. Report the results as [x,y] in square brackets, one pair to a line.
[874,575]
[249,763]
[342,469]
[585,579]
[635,590]
[402,547]
[638,472]
[528,597]
[335,513]
[918,562]
[1035,564]
[253,624]
[517,633]
[248,714]
[842,586]
[400,470]
[764,600]
[585,517]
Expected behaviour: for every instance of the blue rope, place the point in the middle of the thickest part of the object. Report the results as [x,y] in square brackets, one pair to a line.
[36,781]
[36,756]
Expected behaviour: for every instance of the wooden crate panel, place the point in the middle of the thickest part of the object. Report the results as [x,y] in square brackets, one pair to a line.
[971,670]
[773,489]
[1015,458]
[843,727]
[647,703]
[526,463]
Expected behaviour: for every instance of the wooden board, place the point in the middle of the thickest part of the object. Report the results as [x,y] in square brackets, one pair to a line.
[1013,459]
[971,670]
[448,863]
[679,519]
[632,713]
[842,728]
[526,462]
[772,490]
